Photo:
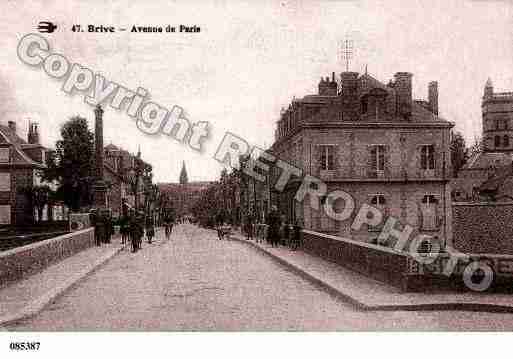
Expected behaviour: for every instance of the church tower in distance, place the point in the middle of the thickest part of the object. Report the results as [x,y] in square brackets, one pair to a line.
[183,175]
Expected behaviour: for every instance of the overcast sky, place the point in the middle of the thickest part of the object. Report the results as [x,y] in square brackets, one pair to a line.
[249,60]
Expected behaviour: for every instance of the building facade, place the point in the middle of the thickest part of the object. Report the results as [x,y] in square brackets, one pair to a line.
[375,142]
[121,169]
[495,157]
[21,163]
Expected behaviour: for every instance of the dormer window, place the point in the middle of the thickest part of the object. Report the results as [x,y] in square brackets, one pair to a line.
[373,104]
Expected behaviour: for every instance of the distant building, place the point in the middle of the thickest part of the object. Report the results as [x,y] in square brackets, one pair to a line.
[21,163]
[183,196]
[375,142]
[119,175]
[496,151]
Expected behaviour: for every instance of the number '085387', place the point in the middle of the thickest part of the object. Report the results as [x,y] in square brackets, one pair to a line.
[24,346]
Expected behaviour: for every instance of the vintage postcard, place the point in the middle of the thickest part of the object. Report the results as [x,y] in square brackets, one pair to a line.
[255,166]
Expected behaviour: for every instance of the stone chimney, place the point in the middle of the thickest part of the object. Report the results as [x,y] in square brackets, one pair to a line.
[433,96]
[349,92]
[327,87]
[403,93]
[33,133]
[12,126]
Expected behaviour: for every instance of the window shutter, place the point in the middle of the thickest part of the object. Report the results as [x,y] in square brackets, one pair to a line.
[330,154]
[423,157]
[372,162]
[418,154]
[322,157]
[335,157]
[317,155]
[433,155]
[386,160]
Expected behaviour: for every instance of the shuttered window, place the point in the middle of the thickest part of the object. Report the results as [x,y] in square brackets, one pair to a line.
[327,157]
[427,157]
[378,157]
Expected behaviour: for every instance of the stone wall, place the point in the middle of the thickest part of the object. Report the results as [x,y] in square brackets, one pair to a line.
[20,262]
[374,261]
[483,228]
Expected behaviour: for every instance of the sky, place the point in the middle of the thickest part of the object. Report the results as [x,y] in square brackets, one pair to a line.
[249,60]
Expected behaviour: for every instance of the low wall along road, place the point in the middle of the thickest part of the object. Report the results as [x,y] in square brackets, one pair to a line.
[402,270]
[20,262]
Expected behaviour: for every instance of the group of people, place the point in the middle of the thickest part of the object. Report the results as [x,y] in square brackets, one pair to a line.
[103,225]
[279,231]
[134,226]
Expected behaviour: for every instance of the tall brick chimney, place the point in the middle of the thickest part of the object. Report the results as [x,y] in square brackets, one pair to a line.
[100,189]
[433,96]
[349,88]
[403,93]
[33,133]
[12,126]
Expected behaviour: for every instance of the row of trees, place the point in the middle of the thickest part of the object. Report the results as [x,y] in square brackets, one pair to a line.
[220,197]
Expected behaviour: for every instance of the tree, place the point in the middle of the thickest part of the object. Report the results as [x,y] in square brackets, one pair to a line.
[459,152]
[72,164]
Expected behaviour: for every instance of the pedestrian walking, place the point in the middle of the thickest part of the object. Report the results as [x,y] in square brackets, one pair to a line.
[274,223]
[286,234]
[220,218]
[168,226]
[95,222]
[136,231]
[249,226]
[109,226]
[124,230]
[296,235]
[150,228]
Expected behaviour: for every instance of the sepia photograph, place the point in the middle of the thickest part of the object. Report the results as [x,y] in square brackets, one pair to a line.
[258,167]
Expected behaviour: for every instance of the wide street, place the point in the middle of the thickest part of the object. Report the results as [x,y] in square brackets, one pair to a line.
[194,282]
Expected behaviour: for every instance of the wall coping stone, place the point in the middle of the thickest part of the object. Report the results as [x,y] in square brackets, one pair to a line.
[42,243]
[358,243]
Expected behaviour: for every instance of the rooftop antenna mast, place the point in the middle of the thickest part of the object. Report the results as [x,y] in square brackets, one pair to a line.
[346,51]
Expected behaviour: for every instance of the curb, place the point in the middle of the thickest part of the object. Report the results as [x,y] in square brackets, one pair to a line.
[449,306]
[40,303]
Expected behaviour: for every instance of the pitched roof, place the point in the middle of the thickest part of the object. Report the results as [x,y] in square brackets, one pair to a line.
[19,156]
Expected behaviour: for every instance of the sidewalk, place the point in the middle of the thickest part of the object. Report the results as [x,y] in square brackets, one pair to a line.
[369,294]
[27,297]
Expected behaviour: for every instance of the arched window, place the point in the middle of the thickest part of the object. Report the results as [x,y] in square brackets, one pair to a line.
[497,141]
[505,141]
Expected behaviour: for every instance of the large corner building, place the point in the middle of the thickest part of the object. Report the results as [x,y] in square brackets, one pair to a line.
[377,143]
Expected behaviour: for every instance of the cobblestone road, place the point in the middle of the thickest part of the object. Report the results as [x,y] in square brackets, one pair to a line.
[195,282]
